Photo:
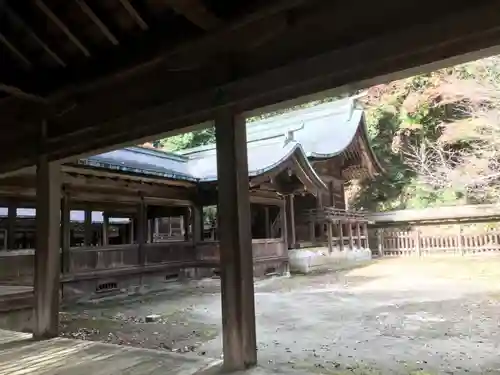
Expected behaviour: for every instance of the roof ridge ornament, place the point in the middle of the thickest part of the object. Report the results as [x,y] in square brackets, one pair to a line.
[289,134]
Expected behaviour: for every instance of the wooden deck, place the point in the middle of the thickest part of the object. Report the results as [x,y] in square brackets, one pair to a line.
[20,355]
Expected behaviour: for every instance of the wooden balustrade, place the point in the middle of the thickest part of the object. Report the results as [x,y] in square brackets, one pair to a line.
[17,266]
[414,243]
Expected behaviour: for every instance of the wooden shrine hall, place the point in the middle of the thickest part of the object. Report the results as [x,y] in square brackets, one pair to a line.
[115,205]
[79,78]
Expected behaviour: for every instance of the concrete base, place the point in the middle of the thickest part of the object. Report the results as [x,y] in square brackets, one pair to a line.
[318,259]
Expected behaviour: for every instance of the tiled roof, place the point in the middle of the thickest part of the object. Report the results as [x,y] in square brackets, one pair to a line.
[321,131]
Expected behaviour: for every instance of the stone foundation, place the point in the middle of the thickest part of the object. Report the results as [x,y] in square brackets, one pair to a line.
[318,259]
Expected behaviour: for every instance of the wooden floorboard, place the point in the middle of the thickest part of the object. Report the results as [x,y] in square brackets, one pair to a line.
[19,355]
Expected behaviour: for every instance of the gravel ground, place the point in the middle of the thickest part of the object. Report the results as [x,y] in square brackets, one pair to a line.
[395,316]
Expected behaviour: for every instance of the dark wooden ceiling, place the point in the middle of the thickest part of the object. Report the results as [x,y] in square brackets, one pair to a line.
[103,72]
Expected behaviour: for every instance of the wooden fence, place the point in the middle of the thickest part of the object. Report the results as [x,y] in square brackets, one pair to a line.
[416,243]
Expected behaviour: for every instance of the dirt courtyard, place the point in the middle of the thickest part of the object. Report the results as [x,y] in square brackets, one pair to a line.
[393,316]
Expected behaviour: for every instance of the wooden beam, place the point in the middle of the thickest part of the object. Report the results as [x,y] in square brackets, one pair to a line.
[47,268]
[101,173]
[19,21]
[334,68]
[134,14]
[18,54]
[196,12]
[236,261]
[62,26]
[18,93]
[97,21]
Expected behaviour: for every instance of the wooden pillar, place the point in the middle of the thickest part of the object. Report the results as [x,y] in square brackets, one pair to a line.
[380,236]
[284,227]
[331,194]
[87,228]
[185,222]
[11,226]
[358,235]
[365,232]
[197,223]
[460,245]
[65,234]
[47,259]
[341,236]
[131,233]
[312,229]
[290,218]
[349,234]
[156,229]
[330,236]
[267,223]
[105,229]
[142,231]
[236,260]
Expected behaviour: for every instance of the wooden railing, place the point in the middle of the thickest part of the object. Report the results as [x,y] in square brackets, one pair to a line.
[119,256]
[414,243]
[261,249]
[16,267]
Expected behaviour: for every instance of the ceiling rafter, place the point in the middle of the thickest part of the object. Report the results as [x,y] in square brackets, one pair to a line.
[134,14]
[196,12]
[51,15]
[15,17]
[97,21]
[13,49]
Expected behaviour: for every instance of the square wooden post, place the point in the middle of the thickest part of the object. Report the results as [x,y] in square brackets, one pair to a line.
[284,227]
[185,223]
[290,218]
[197,223]
[365,233]
[330,236]
[131,231]
[11,226]
[358,235]
[105,229]
[142,231]
[267,223]
[349,234]
[65,234]
[238,308]
[47,258]
[341,236]
[88,233]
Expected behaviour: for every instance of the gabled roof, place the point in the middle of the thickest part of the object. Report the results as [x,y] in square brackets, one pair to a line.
[322,131]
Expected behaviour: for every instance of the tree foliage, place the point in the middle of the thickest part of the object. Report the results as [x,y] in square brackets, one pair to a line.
[438,136]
